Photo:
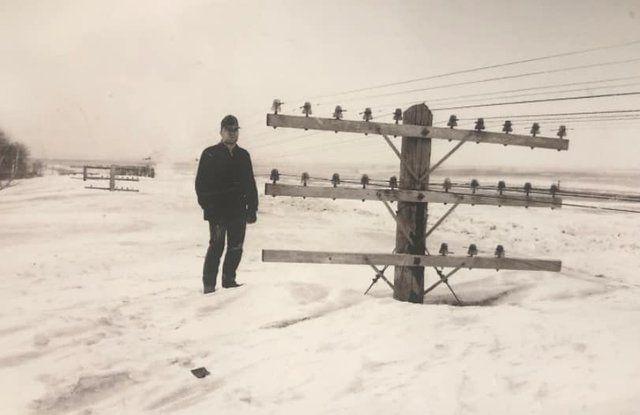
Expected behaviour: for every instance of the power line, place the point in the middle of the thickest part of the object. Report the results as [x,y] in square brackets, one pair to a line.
[550,203]
[559,91]
[484,196]
[480,68]
[550,114]
[578,121]
[508,91]
[453,100]
[498,78]
[538,100]
[286,139]
[568,119]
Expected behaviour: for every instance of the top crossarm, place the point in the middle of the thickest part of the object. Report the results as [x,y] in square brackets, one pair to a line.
[408,130]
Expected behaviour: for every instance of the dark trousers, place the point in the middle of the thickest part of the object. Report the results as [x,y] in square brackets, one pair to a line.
[233,231]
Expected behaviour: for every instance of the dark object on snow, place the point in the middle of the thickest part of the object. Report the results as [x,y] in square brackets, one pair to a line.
[200,372]
[209,289]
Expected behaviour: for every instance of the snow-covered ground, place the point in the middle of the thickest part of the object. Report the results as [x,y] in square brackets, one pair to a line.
[102,311]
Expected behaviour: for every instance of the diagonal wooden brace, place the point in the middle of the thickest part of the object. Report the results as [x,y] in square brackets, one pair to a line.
[435,225]
[379,274]
[395,150]
[446,156]
[444,279]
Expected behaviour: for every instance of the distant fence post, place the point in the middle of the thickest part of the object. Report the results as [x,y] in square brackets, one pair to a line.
[112,177]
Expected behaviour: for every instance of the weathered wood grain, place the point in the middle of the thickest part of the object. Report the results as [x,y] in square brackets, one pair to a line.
[416,196]
[408,260]
[407,130]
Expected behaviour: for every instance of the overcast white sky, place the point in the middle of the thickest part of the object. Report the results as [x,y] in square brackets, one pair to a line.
[104,79]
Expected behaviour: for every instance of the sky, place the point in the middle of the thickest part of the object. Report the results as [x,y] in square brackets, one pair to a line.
[130,79]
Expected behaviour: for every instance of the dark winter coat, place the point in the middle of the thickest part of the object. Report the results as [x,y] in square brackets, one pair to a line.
[225,184]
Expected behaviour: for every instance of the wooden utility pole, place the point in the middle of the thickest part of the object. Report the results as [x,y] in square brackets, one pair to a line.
[415,157]
[413,194]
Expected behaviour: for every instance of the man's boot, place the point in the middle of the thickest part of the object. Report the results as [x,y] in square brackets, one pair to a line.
[229,283]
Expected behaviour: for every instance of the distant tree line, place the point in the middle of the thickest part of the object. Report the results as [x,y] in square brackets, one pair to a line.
[15,162]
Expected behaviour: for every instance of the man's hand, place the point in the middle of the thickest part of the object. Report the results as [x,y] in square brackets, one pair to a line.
[251,217]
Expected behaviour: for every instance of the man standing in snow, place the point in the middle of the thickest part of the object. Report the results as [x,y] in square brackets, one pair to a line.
[226,190]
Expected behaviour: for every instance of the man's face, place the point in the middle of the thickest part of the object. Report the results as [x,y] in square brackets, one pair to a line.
[229,135]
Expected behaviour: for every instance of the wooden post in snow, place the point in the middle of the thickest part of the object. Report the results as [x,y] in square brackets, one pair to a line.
[112,177]
[416,155]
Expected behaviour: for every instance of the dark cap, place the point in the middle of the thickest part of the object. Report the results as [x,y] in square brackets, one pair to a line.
[229,122]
